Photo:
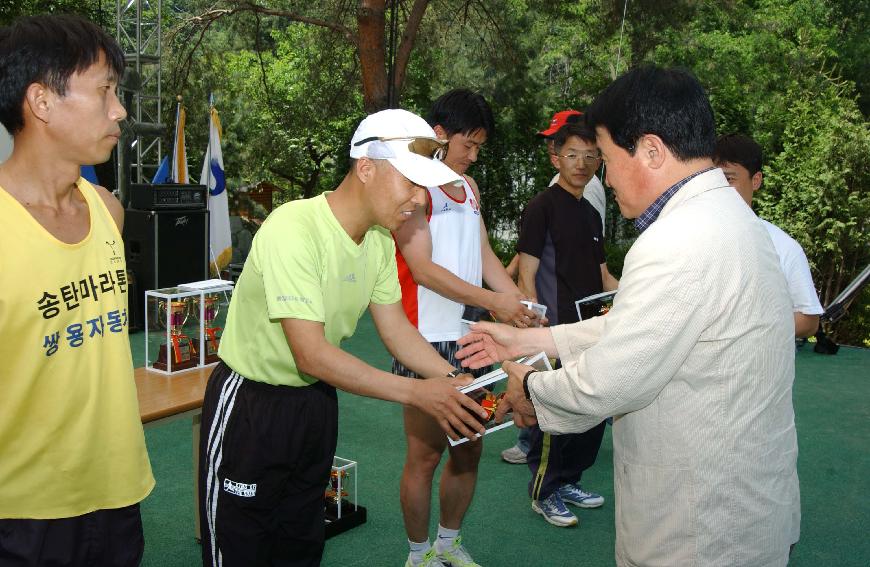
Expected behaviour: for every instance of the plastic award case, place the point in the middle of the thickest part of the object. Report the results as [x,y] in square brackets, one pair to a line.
[184,324]
[594,305]
[488,390]
[343,512]
[539,308]
[472,314]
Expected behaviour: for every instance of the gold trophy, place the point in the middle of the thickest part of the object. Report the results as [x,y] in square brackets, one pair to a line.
[183,351]
[340,508]
[211,309]
[335,492]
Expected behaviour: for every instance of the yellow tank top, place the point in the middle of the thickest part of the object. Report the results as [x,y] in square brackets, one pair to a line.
[71,440]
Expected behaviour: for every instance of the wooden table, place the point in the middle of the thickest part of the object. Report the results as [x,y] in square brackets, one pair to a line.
[166,397]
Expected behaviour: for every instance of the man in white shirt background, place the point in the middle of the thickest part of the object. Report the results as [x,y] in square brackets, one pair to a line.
[740,158]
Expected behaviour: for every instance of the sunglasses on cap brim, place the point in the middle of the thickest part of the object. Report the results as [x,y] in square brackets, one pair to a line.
[427,147]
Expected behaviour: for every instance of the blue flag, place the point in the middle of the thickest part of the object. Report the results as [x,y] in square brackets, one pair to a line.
[162,175]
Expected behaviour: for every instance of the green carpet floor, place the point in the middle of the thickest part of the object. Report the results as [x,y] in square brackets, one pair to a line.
[832,403]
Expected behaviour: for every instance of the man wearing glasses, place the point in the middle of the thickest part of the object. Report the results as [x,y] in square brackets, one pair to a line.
[594,191]
[270,414]
[561,250]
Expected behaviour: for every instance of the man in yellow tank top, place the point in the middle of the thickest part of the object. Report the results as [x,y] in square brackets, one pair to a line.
[73,463]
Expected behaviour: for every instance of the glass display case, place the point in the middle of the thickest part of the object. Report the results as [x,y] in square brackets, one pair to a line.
[343,511]
[183,326]
[489,389]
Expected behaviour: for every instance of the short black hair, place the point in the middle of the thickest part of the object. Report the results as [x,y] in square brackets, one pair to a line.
[582,131]
[669,103]
[462,111]
[739,149]
[48,49]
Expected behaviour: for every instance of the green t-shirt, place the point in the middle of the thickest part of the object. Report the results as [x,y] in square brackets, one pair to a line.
[303,265]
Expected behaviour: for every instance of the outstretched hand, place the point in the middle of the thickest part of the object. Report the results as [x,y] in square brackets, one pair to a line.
[488,343]
[454,411]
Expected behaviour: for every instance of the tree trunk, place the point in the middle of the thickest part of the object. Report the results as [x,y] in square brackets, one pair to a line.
[406,45]
[369,40]
[372,54]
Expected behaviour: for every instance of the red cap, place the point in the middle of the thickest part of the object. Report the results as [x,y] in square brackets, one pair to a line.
[559,119]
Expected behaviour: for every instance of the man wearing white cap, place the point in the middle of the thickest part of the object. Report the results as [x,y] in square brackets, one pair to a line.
[270,415]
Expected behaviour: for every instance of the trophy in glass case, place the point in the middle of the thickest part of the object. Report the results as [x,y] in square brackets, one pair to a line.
[211,306]
[184,325]
[489,390]
[342,512]
[181,346]
[335,492]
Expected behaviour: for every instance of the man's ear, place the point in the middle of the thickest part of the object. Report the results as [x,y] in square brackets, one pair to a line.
[365,169]
[756,181]
[38,101]
[440,132]
[554,158]
[652,150]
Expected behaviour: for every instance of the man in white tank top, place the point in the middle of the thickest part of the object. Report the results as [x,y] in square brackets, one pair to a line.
[444,256]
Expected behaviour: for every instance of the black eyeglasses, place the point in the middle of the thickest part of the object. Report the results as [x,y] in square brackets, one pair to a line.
[426,147]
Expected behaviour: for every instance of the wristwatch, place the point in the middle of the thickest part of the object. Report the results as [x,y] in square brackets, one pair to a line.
[455,372]
[526,384]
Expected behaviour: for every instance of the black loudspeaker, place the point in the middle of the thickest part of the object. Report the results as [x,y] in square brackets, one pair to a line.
[164,248]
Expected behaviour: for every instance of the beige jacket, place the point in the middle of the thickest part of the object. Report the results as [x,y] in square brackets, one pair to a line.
[695,361]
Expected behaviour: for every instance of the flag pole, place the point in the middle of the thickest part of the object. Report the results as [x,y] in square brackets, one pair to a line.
[173,167]
[174,140]
[208,182]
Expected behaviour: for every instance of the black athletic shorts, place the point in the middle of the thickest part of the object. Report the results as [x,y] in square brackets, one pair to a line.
[265,457]
[108,538]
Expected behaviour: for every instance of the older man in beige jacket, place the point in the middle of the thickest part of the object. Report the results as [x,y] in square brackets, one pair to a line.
[695,360]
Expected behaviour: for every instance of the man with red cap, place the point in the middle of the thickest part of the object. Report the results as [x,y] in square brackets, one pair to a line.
[594,193]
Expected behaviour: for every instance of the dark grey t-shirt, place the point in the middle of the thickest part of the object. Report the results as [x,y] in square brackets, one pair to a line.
[564,233]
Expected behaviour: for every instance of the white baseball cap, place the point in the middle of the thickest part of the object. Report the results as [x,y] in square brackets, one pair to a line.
[407,142]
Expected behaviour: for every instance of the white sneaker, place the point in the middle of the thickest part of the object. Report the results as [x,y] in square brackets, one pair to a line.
[514,455]
[456,556]
[430,559]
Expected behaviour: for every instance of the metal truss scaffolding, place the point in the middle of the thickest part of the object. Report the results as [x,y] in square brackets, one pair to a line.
[138,29]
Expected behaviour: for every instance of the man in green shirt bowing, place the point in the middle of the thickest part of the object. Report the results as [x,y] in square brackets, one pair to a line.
[270,415]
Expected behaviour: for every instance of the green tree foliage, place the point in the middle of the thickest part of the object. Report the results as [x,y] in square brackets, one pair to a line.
[818,188]
[102,13]
[781,72]
[791,73]
[284,117]
[529,59]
